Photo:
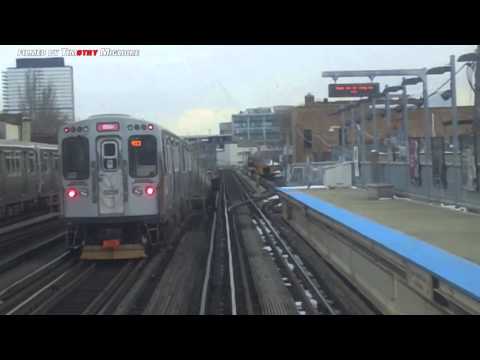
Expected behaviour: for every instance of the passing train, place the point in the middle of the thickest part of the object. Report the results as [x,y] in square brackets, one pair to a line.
[266,169]
[28,178]
[127,183]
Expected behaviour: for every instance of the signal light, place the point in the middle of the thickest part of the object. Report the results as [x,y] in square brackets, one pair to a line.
[150,190]
[136,143]
[150,126]
[66,130]
[72,193]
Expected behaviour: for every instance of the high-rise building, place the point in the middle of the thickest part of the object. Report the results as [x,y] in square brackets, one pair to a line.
[32,81]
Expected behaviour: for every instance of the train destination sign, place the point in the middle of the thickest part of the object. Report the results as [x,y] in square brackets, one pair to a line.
[353,90]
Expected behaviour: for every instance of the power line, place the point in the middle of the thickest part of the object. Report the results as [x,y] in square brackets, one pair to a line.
[446,82]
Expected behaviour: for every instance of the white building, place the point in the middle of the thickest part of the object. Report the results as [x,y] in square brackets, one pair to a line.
[48,72]
[233,155]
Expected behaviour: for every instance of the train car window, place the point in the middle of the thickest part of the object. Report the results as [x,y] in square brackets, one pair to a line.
[110,156]
[75,158]
[55,162]
[164,152]
[8,163]
[18,169]
[109,149]
[142,155]
[44,165]
[31,162]
[176,154]
[184,165]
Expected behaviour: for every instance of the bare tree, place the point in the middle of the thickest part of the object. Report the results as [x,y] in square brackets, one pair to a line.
[38,103]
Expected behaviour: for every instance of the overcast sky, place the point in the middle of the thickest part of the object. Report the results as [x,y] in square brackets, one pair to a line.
[190,89]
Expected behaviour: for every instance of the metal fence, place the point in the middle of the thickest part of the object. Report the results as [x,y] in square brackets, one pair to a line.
[299,174]
[448,178]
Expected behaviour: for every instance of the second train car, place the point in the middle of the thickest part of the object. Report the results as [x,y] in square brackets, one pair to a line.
[126,184]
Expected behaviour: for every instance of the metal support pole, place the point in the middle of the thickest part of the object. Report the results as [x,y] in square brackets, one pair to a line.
[375,129]
[363,152]
[456,148]
[362,132]
[388,124]
[353,124]
[428,135]
[476,106]
[343,136]
[405,116]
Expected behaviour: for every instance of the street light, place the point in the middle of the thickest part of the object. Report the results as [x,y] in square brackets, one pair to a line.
[446,95]
[439,70]
[474,58]
[390,89]
[412,81]
[470,57]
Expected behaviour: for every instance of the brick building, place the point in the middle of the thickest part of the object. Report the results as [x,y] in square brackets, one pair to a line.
[317,132]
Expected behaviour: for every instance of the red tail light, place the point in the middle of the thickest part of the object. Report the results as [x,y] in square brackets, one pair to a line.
[150,190]
[72,193]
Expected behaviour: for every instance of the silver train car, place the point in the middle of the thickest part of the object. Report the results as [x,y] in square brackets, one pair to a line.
[28,177]
[126,184]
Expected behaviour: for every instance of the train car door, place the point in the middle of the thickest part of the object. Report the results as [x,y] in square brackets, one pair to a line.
[110,177]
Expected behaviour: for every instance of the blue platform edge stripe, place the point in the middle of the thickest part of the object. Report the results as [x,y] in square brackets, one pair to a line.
[456,270]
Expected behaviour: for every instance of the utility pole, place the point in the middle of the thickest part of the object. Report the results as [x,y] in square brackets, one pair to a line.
[456,148]
[476,111]
[405,117]
[363,124]
[342,134]
[374,119]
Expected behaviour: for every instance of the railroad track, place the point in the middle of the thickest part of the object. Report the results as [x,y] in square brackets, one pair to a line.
[67,285]
[12,220]
[310,297]
[24,243]
[219,290]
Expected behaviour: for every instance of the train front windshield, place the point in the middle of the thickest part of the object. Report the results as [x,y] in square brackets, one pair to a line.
[76,158]
[142,152]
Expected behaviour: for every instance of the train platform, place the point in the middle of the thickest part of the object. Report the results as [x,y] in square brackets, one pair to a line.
[405,256]
[454,231]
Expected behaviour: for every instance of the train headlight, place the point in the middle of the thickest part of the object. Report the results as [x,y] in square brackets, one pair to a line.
[137,190]
[72,193]
[150,190]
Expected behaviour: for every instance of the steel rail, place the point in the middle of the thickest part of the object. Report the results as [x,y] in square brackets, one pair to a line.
[34,273]
[230,257]
[206,279]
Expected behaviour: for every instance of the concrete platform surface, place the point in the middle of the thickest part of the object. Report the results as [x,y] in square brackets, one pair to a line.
[454,231]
